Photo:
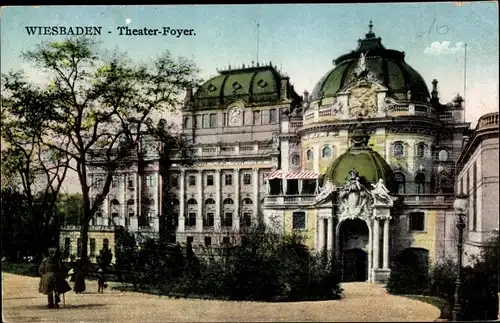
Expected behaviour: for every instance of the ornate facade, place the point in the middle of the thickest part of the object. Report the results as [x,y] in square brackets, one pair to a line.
[363,167]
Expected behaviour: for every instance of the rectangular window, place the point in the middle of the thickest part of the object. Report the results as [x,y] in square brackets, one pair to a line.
[105,244]
[150,180]
[130,181]
[213,120]
[247,179]
[256,117]
[272,116]
[114,182]
[79,247]
[198,121]
[174,181]
[225,241]
[92,247]
[175,219]
[210,180]
[228,179]
[67,247]
[208,241]
[299,220]
[187,122]
[227,220]
[189,240]
[206,121]
[417,221]
[247,219]
[192,180]
[208,221]
[265,116]
[191,220]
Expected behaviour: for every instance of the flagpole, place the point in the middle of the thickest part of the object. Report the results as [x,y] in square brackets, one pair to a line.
[258,29]
[465,81]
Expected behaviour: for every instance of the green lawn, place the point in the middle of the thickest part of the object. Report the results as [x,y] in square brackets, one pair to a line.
[438,302]
[24,269]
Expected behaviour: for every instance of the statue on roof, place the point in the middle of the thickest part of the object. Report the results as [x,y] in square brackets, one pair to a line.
[380,193]
[362,62]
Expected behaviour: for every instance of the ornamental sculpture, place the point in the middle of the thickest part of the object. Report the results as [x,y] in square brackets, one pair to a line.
[363,102]
[380,193]
[325,191]
[355,198]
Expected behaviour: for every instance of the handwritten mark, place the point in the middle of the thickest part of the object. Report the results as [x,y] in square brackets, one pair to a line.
[442,29]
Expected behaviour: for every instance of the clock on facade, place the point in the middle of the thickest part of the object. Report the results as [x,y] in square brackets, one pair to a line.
[234,116]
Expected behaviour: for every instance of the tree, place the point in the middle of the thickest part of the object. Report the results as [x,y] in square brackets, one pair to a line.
[70,208]
[99,110]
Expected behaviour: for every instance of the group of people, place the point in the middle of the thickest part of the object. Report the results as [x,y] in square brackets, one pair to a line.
[53,274]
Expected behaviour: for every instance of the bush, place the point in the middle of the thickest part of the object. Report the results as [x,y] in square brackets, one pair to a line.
[443,279]
[410,275]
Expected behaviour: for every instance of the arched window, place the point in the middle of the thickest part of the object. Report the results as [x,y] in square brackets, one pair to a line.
[247,201]
[192,202]
[399,149]
[130,202]
[228,201]
[210,201]
[175,202]
[420,182]
[421,150]
[309,154]
[115,202]
[295,159]
[326,152]
[400,180]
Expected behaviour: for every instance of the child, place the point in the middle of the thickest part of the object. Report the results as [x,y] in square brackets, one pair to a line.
[101,281]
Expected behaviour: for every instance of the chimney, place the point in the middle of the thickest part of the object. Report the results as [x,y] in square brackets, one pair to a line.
[434,92]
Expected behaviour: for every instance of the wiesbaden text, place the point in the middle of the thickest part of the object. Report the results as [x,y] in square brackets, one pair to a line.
[61,30]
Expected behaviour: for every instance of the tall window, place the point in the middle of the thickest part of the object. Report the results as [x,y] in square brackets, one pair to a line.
[247,179]
[400,180]
[299,220]
[174,181]
[295,160]
[227,219]
[187,122]
[421,150]
[272,116]
[474,196]
[208,221]
[192,180]
[417,221]
[399,149]
[228,179]
[114,182]
[420,183]
[208,241]
[309,154]
[256,117]
[265,116]
[213,120]
[191,219]
[206,121]
[67,247]
[130,181]
[92,247]
[247,219]
[105,243]
[210,180]
[150,180]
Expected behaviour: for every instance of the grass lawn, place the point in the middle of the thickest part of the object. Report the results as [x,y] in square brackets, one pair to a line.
[21,268]
[438,302]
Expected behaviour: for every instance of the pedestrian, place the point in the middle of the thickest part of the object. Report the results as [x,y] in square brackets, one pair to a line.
[79,276]
[52,278]
[101,280]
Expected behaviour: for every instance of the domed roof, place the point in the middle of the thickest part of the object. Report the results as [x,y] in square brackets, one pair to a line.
[370,165]
[387,65]
[261,84]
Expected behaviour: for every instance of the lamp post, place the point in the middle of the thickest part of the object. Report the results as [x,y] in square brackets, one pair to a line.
[460,206]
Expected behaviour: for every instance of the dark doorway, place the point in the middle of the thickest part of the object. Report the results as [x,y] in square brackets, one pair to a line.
[355,265]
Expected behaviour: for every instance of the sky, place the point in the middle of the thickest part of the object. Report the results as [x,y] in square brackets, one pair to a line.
[300,39]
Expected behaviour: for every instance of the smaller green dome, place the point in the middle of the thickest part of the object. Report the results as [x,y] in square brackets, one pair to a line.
[367,162]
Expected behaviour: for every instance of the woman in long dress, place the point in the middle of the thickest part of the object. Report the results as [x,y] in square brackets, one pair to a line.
[52,278]
[79,276]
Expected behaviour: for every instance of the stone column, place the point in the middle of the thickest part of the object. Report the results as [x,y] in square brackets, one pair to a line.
[321,234]
[236,215]
[376,243]
[370,257]
[201,202]
[256,200]
[182,201]
[330,234]
[218,205]
[385,264]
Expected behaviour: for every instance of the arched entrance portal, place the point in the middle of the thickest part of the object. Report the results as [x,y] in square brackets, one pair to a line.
[354,241]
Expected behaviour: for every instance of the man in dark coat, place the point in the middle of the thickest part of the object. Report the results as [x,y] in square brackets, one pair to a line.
[80,271]
[53,279]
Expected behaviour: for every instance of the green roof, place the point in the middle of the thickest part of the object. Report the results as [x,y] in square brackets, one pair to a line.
[386,64]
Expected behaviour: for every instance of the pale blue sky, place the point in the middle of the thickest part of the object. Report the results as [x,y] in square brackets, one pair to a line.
[303,39]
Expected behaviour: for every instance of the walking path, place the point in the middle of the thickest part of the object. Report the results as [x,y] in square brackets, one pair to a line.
[360,302]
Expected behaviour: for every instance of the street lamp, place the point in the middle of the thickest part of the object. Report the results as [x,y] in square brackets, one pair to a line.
[460,206]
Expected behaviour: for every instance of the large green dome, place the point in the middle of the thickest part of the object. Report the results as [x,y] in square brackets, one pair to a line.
[387,65]
[369,164]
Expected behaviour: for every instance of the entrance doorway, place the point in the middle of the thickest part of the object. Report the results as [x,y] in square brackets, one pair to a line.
[353,247]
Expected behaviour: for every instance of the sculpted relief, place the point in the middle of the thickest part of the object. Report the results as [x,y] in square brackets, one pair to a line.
[363,102]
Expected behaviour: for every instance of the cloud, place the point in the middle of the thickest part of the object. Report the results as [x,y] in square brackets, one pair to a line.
[443,48]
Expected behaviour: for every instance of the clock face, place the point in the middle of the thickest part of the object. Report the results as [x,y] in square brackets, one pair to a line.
[234,116]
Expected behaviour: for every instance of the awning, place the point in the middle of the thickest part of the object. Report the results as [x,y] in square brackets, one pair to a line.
[293,175]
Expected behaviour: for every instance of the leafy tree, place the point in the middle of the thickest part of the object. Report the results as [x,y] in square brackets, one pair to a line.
[99,110]
[104,258]
[70,208]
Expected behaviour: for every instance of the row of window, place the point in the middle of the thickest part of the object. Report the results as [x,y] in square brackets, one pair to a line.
[400,180]
[246,201]
[210,180]
[149,180]
[210,120]
[92,249]
[326,153]
[209,219]
[208,241]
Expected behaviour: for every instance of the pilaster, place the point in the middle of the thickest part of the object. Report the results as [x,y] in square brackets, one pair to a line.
[201,202]
[182,202]
[218,205]
[236,215]
[256,200]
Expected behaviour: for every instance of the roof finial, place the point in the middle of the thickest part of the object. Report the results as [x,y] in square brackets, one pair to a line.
[370,26]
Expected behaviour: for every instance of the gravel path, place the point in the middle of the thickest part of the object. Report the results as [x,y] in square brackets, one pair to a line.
[360,302]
